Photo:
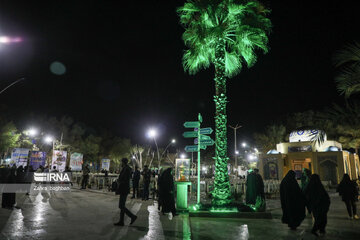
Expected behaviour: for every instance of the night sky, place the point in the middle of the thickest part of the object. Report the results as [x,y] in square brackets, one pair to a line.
[124,71]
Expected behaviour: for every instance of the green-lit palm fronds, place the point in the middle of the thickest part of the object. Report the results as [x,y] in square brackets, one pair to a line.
[243,26]
[348,62]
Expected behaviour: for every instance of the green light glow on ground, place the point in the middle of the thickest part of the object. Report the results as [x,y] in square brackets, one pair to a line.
[223,33]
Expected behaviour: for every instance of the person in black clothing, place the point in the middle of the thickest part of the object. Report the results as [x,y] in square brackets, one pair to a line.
[124,189]
[292,201]
[254,187]
[85,177]
[318,203]
[348,191]
[9,198]
[146,181]
[135,181]
[167,192]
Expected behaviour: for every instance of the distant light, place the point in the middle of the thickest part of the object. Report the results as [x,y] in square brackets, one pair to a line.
[32,132]
[48,139]
[256,150]
[243,144]
[236,152]
[204,168]
[6,40]
[133,157]
[173,141]
[251,157]
[182,156]
[152,133]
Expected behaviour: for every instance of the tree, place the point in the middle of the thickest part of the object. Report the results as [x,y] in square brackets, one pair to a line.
[9,138]
[347,60]
[273,135]
[223,33]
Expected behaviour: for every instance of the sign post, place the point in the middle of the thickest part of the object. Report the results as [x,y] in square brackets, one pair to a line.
[201,141]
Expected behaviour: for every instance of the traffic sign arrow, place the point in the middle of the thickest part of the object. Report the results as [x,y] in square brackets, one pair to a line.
[190,134]
[191,148]
[203,147]
[192,124]
[208,130]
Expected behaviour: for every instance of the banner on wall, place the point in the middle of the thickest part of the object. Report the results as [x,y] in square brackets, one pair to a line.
[37,159]
[105,164]
[19,156]
[76,161]
[59,160]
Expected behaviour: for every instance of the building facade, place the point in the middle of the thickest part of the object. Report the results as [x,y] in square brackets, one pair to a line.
[328,160]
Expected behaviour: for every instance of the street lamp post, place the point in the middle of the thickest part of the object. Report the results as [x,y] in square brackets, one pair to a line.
[152,133]
[235,151]
[173,141]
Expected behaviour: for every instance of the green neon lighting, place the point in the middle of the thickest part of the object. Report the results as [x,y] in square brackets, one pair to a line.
[226,34]
[224,210]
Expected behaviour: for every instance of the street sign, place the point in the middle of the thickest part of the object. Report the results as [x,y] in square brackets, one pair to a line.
[204,137]
[200,118]
[208,130]
[203,147]
[191,148]
[190,134]
[192,124]
[209,142]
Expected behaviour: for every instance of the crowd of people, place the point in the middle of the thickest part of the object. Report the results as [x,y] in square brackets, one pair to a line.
[313,197]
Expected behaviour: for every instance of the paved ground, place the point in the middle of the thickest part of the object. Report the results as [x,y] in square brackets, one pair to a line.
[90,215]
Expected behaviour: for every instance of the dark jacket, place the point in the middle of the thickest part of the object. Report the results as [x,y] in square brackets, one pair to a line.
[292,201]
[348,189]
[136,176]
[317,198]
[147,176]
[124,181]
[254,188]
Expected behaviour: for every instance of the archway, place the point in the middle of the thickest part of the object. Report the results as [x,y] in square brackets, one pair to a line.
[328,171]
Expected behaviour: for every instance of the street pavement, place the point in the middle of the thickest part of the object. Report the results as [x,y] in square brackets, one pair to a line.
[88,214]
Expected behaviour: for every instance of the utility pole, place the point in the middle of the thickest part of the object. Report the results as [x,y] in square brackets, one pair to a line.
[235,150]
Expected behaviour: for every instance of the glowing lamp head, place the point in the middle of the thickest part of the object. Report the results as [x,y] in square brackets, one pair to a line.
[32,132]
[48,139]
[152,133]
[236,152]
[173,141]
[243,144]
[183,156]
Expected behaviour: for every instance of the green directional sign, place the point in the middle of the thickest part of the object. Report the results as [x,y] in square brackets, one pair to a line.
[209,142]
[208,130]
[203,147]
[191,148]
[190,134]
[204,137]
[195,124]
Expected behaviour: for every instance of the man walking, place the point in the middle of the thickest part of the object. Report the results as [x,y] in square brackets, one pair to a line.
[135,180]
[146,179]
[124,189]
[85,177]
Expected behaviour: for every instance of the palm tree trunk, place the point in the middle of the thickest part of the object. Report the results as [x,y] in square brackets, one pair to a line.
[221,193]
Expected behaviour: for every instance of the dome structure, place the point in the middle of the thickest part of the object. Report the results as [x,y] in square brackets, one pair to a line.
[273,151]
[332,149]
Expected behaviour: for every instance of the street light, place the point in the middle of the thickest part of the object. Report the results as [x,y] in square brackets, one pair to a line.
[48,139]
[152,134]
[182,156]
[237,152]
[173,141]
[243,144]
[32,132]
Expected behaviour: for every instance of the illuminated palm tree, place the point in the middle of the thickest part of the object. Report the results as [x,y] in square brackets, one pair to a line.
[224,33]
[348,62]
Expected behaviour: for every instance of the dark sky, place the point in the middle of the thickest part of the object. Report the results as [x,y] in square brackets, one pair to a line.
[124,68]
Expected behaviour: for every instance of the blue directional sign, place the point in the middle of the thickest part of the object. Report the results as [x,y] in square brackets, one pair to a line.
[191,148]
[208,130]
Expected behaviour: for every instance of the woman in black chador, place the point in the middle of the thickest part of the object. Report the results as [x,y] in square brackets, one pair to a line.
[9,198]
[167,192]
[292,201]
[348,191]
[318,203]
